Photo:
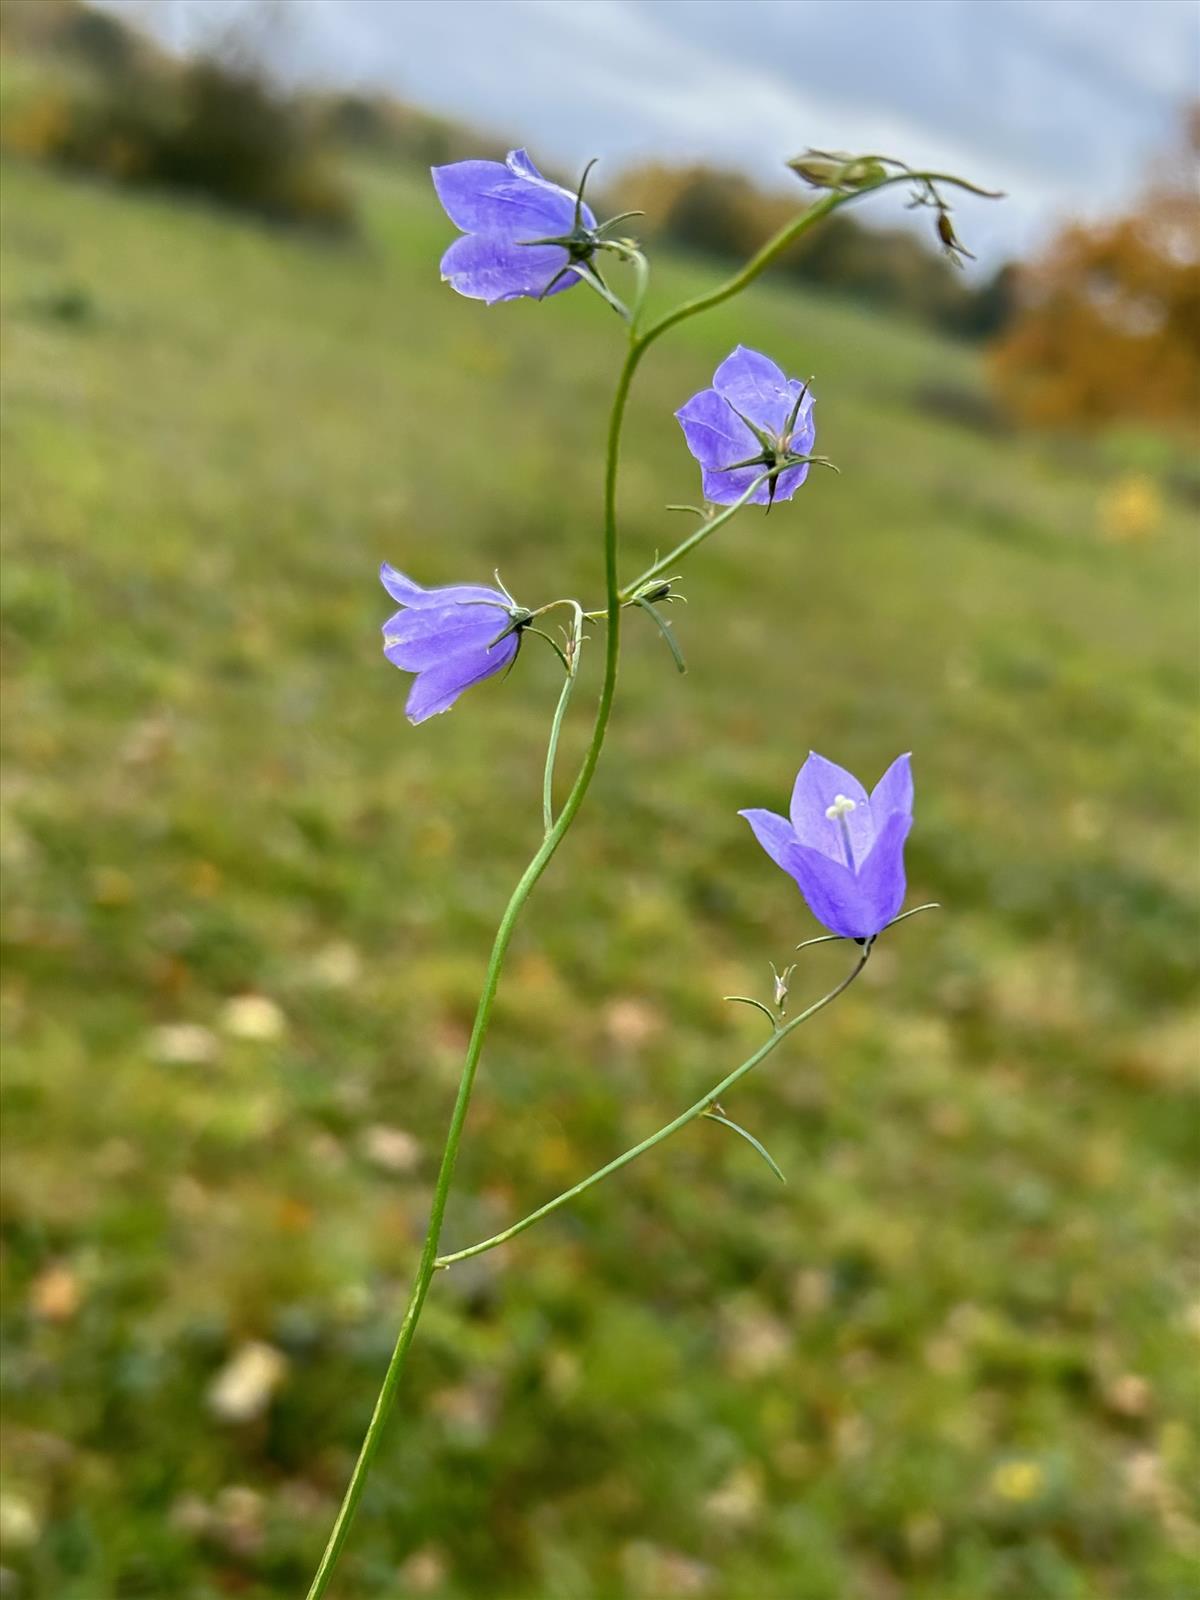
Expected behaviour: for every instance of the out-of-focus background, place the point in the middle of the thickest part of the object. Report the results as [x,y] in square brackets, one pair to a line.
[248,907]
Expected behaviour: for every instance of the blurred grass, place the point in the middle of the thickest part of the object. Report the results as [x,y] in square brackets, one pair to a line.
[954,1359]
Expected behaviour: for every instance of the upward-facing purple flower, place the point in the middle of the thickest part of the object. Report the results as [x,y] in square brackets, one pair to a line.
[751,419]
[845,850]
[501,207]
[451,638]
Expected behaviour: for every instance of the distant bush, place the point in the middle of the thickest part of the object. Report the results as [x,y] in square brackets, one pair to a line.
[212,127]
[965,407]
[239,141]
[67,29]
[1108,318]
[384,127]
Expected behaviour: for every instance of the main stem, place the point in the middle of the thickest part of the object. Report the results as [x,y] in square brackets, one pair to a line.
[504,933]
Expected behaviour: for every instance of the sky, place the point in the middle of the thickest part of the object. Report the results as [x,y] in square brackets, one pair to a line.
[1061,103]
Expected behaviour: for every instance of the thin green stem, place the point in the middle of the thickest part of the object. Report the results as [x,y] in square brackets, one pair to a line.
[572,664]
[708,527]
[757,264]
[681,1121]
[551,842]
[787,235]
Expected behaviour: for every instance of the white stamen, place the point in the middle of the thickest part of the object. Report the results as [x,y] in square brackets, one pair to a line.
[837,813]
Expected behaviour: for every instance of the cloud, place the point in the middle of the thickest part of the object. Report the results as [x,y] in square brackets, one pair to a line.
[1057,101]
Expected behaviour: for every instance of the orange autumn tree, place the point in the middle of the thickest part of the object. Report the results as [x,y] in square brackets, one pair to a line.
[1108,319]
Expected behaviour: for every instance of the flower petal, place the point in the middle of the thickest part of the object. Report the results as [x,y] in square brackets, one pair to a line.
[831,889]
[436,690]
[489,268]
[416,640]
[893,792]
[519,164]
[402,588]
[774,833]
[756,386]
[715,435]
[507,202]
[833,893]
[818,784]
[881,878]
[723,488]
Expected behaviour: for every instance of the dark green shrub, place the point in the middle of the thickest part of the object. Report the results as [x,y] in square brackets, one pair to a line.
[106,101]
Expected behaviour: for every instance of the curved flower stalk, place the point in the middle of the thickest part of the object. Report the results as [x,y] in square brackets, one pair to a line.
[840,173]
[525,237]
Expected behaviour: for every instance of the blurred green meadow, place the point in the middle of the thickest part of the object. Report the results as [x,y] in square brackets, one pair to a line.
[247,910]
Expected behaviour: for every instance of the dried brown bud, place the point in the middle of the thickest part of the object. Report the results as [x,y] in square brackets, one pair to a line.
[950,242]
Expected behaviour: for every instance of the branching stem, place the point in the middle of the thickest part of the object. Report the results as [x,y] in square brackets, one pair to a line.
[639,343]
[681,1121]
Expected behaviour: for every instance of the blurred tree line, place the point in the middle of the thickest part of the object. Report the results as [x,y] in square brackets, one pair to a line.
[1105,323]
[215,125]
[107,100]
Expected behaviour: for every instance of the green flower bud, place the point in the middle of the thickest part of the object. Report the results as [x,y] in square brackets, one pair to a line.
[819,171]
[836,170]
[659,589]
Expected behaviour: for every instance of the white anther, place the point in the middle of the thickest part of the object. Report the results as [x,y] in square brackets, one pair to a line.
[841,805]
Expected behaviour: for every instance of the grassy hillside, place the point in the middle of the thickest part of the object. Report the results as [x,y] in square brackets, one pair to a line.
[950,1360]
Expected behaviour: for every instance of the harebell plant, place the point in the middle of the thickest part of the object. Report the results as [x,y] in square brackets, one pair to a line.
[753,432]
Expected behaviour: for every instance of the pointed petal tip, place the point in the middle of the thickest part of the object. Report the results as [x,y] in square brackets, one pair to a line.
[519,164]
[894,791]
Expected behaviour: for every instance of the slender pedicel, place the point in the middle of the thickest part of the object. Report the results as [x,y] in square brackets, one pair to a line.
[702,1105]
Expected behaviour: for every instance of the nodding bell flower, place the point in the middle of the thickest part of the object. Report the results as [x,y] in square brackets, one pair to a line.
[753,420]
[523,236]
[451,638]
[845,849]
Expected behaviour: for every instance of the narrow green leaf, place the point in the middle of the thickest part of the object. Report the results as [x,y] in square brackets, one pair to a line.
[664,627]
[715,1116]
[745,1000]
